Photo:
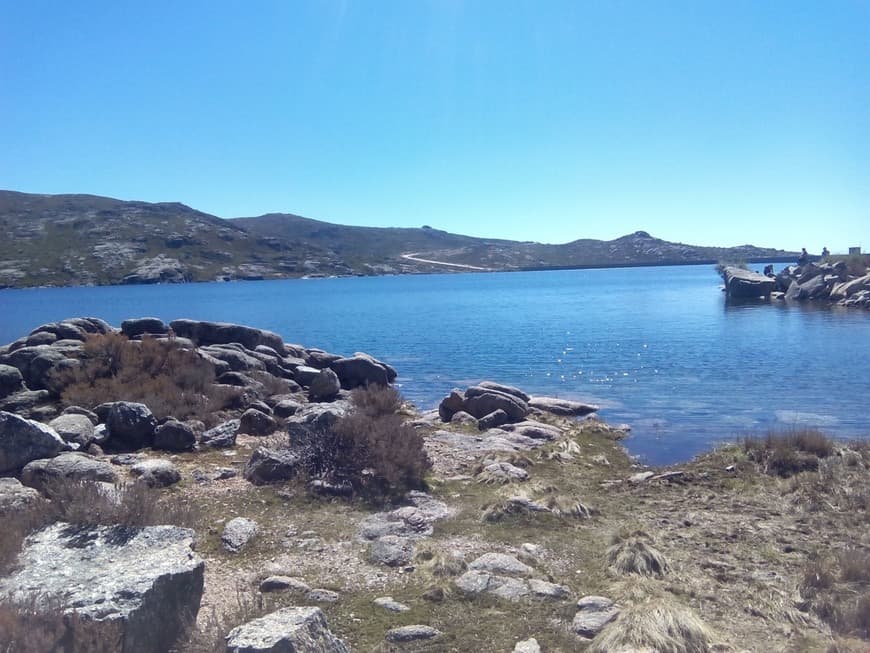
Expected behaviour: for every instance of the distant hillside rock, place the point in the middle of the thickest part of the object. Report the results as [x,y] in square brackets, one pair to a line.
[73,240]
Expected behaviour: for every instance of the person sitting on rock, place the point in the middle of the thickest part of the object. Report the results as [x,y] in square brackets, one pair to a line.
[804,257]
[825,253]
[768,270]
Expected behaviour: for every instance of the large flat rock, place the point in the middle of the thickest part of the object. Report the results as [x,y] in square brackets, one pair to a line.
[136,589]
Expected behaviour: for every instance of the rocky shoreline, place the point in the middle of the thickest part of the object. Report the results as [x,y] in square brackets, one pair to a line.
[828,282]
[534,531]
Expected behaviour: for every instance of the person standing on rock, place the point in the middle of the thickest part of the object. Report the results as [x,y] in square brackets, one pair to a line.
[804,257]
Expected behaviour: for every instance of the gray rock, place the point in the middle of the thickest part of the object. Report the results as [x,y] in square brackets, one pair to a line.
[477,582]
[325,386]
[11,380]
[237,533]
[78,410]
[173,435]
[593,613]
[262,406]
[156,472]
[502,473]
[286,408]
[321,416]
[130,424]
[304,374]
[461,417]
[139,588]
[545,590]
[640,477]
[25,401]
[493,420]
[283,584]
[142,325]
[271,466]
[361,370]
[500,563]
[239,361]
[527,646]
[320,595]
[504,389]
[217,333]
[413,633]
[23,440]
[391,550]
[221,436]
[74,428]
[535,430]
[387,603]
[18,501]
[69,467]
[413,522]
[288,630]
[254,422]
[480,402]
[450,405]
[563,407]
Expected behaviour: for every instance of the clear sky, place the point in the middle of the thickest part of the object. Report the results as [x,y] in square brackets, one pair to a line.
[714,123]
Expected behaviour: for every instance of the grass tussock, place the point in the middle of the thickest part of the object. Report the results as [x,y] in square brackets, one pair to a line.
[170,380]
[787,454]
[656,625]
[438,564]
[632,553]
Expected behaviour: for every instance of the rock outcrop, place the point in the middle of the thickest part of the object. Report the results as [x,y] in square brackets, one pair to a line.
[135,590]
[23,440]
[288,630]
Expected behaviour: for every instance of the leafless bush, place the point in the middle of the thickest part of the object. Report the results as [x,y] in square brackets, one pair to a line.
[376,400]
[373,451]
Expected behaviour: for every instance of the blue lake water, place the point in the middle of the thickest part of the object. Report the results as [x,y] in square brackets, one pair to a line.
[657,348]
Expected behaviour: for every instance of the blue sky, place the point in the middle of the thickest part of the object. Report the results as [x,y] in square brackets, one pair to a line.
[716,123]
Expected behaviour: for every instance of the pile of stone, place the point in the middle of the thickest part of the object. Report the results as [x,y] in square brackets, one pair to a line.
[492,405]
[825,282]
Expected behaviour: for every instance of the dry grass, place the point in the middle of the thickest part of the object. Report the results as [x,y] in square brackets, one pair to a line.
[655,625]
[132,504]
[789,453]
[631,552]
[170,380]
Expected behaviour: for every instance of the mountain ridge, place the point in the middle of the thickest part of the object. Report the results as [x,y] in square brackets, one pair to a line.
[81,239]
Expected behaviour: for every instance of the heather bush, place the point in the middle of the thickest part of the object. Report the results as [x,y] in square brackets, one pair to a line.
[372,450]
[169,379]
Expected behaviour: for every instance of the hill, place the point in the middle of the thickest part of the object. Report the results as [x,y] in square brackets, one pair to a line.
[69,240]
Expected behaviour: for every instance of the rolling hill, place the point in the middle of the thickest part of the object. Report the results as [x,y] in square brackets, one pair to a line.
[69,240]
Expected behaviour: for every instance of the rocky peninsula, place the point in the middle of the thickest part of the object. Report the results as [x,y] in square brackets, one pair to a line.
[199,486]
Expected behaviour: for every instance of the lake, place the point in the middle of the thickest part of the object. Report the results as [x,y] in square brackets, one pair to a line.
[657,348]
